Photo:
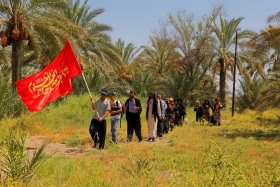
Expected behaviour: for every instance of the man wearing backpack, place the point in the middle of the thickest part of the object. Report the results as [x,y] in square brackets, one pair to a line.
[133,109]
[116,111]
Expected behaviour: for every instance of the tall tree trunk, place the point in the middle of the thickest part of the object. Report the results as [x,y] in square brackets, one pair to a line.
[222,82]
[15,46]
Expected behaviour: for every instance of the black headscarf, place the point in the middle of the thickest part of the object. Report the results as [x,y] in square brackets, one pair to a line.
[182,107]
[155,109]
[203,105]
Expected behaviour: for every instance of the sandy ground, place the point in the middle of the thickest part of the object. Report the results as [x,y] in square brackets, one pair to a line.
[59,149]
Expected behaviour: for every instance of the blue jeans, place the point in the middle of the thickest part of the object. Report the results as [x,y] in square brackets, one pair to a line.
[114,128]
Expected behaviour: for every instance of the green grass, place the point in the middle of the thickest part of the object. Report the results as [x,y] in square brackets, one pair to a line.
[244,151]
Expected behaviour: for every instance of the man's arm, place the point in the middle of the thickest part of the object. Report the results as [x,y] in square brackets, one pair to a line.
[146,104]
[92,103]
[124,105]
[139,106]
[159,110]
[101,118]
[117,111]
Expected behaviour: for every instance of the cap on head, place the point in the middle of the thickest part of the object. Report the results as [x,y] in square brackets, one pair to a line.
[103,92]
[171,99]
[111,94]
[159,95]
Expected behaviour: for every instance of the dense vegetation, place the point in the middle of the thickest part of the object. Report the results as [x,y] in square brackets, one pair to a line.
[190,57]
[244,151]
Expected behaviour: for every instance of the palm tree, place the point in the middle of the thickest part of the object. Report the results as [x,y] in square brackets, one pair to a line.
[224,50]
[179,85]
[122,69]
[248,96]
[39,22]
[159,57]
[143,82]
[96,49]
[270,93]
[268,39]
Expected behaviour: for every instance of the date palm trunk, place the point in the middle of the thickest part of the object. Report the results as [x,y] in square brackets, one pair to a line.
[222,82]
[15,47]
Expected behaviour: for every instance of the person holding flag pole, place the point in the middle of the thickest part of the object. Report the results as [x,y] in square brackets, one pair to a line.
[98,123]
[53,82]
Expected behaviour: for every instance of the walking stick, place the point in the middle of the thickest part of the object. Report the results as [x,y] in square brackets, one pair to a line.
[90,94]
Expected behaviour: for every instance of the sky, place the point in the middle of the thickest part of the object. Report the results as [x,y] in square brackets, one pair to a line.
[134,20]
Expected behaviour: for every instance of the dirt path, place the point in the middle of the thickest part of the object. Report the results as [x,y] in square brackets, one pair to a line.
[59,149]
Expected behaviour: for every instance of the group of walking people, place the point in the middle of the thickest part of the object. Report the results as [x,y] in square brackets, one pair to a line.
[203,112]
[162,116]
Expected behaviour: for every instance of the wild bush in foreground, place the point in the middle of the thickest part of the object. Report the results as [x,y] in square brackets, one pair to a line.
[221,167]
[15,165]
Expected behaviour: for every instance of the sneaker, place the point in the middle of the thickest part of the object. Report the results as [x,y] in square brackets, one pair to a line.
[149,139]
[100,149]
[160,138]
[128,140]
[219,124]
[153,139]
[139,141]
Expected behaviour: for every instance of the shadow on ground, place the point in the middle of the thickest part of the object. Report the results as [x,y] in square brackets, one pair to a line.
[258,134]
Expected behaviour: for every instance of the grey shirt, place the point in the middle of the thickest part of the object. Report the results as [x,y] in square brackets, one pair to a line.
[163,108]
[101,108]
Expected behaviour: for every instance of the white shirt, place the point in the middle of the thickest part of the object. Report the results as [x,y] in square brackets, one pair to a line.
[117,106]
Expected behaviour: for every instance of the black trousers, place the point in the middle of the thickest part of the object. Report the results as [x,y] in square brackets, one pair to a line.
[178,121]
[160,127]
[198,118]
[166,126]
[100,128]
[133,124]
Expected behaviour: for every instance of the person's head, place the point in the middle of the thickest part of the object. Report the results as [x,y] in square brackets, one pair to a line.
[111,96]
[197,103]
[159,96]
[171,101]
[103,94]
[217,100]
[207,101]
[132,93]
[152,94]
[175,101]
[179,101]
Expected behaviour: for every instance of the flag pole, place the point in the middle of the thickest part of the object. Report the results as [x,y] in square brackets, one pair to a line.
[84,78]
[234,74]
[90,94]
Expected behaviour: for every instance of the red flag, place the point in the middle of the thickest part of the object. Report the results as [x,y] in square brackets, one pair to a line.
[52,82]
